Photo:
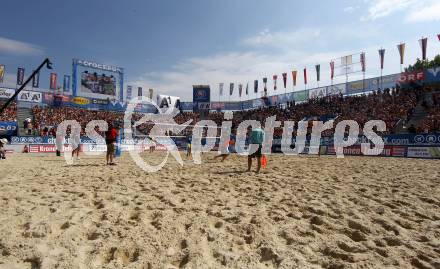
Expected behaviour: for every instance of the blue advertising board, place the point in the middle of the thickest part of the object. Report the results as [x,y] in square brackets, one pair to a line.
[201,94]
[8,128]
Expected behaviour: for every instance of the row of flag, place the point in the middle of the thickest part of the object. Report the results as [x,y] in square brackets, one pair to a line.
[36,79]
[401,48]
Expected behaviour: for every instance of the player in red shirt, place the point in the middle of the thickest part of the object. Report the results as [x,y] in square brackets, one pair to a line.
[110,140]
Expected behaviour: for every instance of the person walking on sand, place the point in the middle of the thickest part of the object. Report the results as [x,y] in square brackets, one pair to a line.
[256,145]
[226,151]
[110,140]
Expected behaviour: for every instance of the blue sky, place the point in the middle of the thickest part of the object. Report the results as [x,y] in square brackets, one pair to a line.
[171,45]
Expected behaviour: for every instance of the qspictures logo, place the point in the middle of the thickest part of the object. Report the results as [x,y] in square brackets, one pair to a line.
[205,135]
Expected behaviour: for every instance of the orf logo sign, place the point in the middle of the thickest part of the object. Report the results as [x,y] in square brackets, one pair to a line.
[412,76]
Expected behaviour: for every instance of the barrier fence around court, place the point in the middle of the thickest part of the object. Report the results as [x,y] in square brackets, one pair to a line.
[404,145]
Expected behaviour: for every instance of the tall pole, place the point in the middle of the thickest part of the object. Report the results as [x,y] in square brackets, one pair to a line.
[48,66]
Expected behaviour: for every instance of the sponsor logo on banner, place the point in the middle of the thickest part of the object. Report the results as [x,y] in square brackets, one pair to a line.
[423,152]
[336,89]
[411,77]
[317,93]
[6,93]
[8,128]
[100,101]
[81,101]
[433,75]
[204,106]
[46,148]
[30,96]
[99,66]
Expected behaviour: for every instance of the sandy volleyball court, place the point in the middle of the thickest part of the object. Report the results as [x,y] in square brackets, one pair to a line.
[301,212]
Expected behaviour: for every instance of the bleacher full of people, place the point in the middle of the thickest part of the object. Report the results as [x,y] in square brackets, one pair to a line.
[389,105]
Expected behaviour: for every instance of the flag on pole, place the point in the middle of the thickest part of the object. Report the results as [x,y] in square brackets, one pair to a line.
[438,37]
[247,88]
[382,57]
[363,62]
[36,80]
[231,88]
[285,80]
[318,72]
[401,48]
[265,86]
[332,70]
[140,92]
[66,83]
[255,86]
[423,44]
[240,89]
[305,76]
[150,92]
[53,81]
[20,76]
[129,92]
[2,73]
[294,73]
[220,88]
[275,77]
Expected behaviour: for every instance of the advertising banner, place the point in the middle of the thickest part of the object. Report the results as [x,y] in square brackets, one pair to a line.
[30,96]
[432,75]
[6,93]
[359,86]
[409,77]
[8,128]
[317,93]
[336,89]
[94,80]
[201,93]
[36,80]
[300,96]
[423,152]
[66,83]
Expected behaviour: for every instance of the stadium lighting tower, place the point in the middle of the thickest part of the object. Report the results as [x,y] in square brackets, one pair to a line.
[46,62]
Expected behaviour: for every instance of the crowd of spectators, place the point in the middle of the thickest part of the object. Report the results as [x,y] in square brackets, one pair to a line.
[10,113]
[390,105]
[432,122]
